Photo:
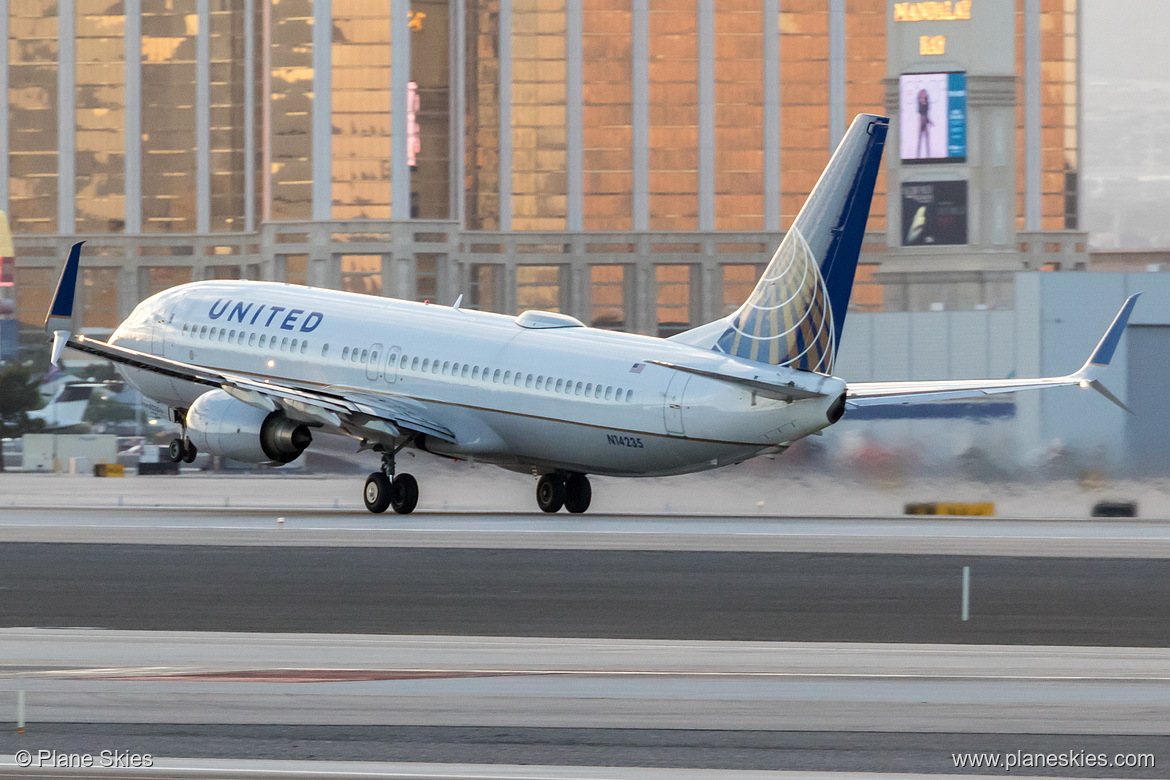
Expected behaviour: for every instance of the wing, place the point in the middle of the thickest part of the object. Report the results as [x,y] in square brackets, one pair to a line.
[369,415]
[878,393]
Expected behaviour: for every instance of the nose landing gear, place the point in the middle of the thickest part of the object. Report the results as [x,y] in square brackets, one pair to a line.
[572,491]
[384,489]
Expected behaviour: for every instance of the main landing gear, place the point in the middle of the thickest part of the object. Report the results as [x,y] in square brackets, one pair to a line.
[181,449]
[559,489]
[384,489]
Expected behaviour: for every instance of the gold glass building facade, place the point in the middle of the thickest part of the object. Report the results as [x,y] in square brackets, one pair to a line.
[628,118]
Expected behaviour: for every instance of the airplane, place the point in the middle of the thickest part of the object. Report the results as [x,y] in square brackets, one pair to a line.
[254,370]
[67,404]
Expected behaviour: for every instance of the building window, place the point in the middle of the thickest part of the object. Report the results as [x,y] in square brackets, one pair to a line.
[538,287]
[426,276]
[674,298]
[296,268]
[361,274]
[486,293]
[738,282]
[607,296]
[100,301]
[156,278]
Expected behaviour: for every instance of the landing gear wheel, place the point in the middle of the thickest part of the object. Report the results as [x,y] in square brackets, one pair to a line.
[550,493]
[175,450]
[377,493]
[577,493]
[189,452]
[403,494]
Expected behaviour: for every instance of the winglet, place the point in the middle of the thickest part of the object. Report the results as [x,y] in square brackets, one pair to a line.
[60,316]
[1108,344]
[59,320]
[1090,373]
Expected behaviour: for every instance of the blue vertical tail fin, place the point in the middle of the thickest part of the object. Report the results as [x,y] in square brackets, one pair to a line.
[796,313]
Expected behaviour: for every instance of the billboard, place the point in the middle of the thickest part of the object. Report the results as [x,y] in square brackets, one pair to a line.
[932,112]
[8,339]
[934,213]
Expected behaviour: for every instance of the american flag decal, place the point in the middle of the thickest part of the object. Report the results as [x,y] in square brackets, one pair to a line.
[637,368]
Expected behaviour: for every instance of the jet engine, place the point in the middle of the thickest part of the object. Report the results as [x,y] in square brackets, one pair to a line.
[221,425]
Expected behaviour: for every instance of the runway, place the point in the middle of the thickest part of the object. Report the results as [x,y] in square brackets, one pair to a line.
[587,593]
[484,641]
[729,705]
[292,527]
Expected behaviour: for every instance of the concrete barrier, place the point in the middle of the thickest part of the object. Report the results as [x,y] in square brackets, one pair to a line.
[109,470]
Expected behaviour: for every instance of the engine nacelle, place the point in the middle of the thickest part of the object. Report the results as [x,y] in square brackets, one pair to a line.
[221,425]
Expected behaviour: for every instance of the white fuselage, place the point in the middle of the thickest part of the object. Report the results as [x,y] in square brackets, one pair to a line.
[568,398]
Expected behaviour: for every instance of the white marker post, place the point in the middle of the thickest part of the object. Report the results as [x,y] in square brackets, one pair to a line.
[20,711]
[966,592]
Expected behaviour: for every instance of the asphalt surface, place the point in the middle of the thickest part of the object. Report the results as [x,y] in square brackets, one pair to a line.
[694,749]
[592,593]
[294,527]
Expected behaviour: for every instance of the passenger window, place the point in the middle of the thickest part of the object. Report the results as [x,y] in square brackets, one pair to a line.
[284,344]
[232,335]
[402,363]
[560,384]
[446,367]
[344,352]
[589,389]
[184,329]
[629,396]
[608,393]
[463,371]
[528,381]
[374,356]
[617,396]
[324,350]
[519,378]
[569,387]
[241,339]
[539,382]
[251,339]
[496,376]
[507,376]
[475,373]
[304,347]
[426,364]
[414,364]
[263,340]
[597,392]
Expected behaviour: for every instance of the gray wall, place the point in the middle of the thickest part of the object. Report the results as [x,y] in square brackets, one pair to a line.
[1058,319]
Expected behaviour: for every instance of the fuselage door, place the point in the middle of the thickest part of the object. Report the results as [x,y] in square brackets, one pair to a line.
[374,364]
[160,320]
[392,356]
[672,411]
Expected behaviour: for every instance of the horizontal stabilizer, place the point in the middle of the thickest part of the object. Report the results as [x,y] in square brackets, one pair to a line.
[887,393]
[781,391]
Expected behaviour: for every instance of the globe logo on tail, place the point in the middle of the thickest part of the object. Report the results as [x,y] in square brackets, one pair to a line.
[788,320]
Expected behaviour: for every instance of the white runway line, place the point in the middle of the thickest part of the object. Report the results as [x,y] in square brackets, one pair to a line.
[73,676]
